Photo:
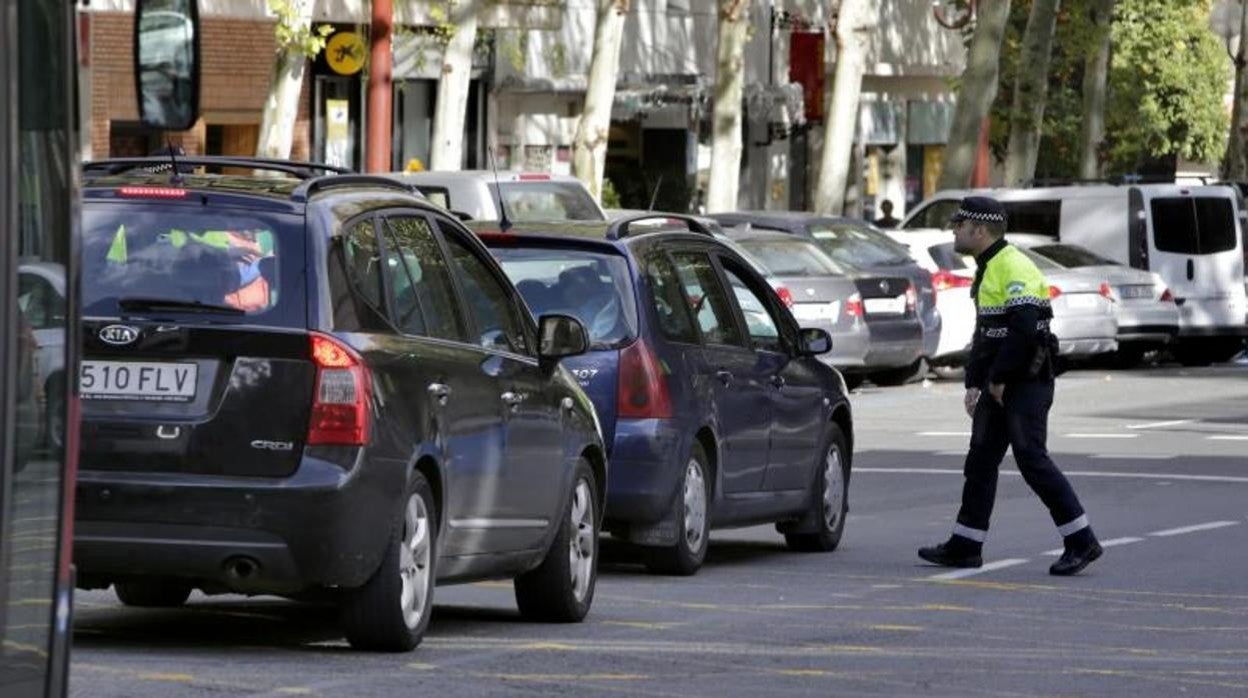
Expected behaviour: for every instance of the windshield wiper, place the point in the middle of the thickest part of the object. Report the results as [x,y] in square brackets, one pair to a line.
[141,304]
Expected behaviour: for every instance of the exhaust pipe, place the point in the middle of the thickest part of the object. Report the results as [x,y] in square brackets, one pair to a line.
[240,569]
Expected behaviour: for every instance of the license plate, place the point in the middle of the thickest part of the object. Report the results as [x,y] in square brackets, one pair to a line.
[885,306]
[817,311]
[1081,300]
[1133,292]
[137,380]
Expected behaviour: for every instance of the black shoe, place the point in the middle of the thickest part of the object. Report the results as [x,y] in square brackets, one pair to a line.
[948,556]
[1075,559]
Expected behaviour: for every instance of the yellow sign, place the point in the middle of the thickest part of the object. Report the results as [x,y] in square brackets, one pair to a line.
[345,53]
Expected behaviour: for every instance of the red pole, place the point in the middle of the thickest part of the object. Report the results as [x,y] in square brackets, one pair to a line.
[377,138]
[979,176]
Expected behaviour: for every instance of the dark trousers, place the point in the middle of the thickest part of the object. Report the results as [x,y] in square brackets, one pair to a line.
[1022,424]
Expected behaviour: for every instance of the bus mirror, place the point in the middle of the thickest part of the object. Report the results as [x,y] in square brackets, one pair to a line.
[166,63]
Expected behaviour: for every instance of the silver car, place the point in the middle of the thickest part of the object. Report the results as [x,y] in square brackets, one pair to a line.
[1084,317]
[526,196]
[875,328]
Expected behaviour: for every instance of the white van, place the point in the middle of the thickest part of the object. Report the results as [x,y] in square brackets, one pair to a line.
[1189,235]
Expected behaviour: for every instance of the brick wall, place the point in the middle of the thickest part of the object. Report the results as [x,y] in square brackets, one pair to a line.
[237,59]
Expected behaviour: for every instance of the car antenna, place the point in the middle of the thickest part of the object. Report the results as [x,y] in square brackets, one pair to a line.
[655,194]
[504,223]
[176,180]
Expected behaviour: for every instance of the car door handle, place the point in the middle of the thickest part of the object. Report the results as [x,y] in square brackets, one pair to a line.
[724,377]
[440,392]
[512,400]
[778,381]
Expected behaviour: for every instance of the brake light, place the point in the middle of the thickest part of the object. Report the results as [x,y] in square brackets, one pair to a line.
[944,280]
[1054,292]
[786,296]
[496,238]
[1167,296]
[643,392]
[912,299]
[1106,292]
[152,193]
[534,177]
[340,406]
[853,306]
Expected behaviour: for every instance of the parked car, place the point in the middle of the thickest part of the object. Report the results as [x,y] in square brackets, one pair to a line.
[872,319]
[714,405]
[322,386]
[858,245]
[1148,318]
[952,276]
[1085,318]
[1191,236]
[526,196]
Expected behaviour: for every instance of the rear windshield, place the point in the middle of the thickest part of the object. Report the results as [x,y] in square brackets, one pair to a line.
[1040,261]
[948,258]
[547,201]
[1073,256]
[246,262]
[1193,225]
[859,247]
[592,287]
[796,258]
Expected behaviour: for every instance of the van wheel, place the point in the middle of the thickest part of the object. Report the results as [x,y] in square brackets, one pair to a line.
[831,499]
[561,589]
[693,516]
[391,611]
[152,593]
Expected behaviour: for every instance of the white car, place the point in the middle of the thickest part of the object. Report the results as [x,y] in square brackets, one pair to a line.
[526,196]
[952,275]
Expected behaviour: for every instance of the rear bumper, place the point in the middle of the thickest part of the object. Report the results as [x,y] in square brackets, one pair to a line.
[894,343]
[1085,335]
[1147,334]
[646,460]
[323,526]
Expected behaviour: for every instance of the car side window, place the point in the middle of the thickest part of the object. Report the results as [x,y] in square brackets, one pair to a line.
[496,315]
[706,299]
[668,299]
[355,279]
[763,327]
[419,279]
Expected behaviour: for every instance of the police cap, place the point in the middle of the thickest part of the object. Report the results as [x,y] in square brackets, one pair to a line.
[979,208]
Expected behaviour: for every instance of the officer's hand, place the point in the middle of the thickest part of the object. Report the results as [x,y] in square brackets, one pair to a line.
[971,399]
[998,393]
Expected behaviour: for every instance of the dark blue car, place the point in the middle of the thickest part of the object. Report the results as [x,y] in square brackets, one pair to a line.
[713,406]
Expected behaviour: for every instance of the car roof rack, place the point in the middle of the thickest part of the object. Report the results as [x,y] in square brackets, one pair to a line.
[156,163]
[620,228]
[311,186]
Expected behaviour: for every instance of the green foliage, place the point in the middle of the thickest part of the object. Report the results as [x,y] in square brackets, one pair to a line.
[1167,78]
[610,197]
[292,34]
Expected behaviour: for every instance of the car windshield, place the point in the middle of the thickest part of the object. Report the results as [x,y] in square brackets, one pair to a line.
[547,201]
[1072,256]
[592,287]
[168,258]
[859,246]
[792,258]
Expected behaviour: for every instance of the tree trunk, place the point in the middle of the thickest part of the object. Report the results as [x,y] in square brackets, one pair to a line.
[447,148]
[277,122]
[1095,78]
[855,22]
[589,153]
[1031,91]
[1235,167]
[979,88]
[734,23]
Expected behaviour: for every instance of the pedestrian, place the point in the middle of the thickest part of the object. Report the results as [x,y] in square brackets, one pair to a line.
[1009,390]
[887,220]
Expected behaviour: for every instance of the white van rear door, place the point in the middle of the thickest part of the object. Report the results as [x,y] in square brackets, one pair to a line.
[1195,241]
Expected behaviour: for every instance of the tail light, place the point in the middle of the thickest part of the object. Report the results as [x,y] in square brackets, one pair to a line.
[643,392]
[1106,292]
[912,299]
[152,193]
[786,296]
[1054,292]
[944,280]
[1167,296]
[340,407]
[853,306]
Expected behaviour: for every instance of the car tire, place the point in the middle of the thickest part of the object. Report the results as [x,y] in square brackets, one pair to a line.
[561,589]
[391,611]
[831,499]
[692,512]
[152,593]
[898,376]
[853,381]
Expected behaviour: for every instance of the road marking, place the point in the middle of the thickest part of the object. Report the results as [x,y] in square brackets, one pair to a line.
[1079,435]
[944,433]
[1155,425]
[177,678]
[1112,542]
[1193,529]
[1079,473]
[1131,456]
[991,566]
[1228,437]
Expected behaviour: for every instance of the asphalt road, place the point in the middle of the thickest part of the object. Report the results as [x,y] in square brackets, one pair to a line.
[1159,458]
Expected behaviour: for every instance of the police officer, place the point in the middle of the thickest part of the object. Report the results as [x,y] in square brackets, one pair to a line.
[1009,390]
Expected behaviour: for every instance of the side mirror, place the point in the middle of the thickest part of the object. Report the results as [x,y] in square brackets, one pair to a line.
[814,341]
[166,63]
[560,336]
